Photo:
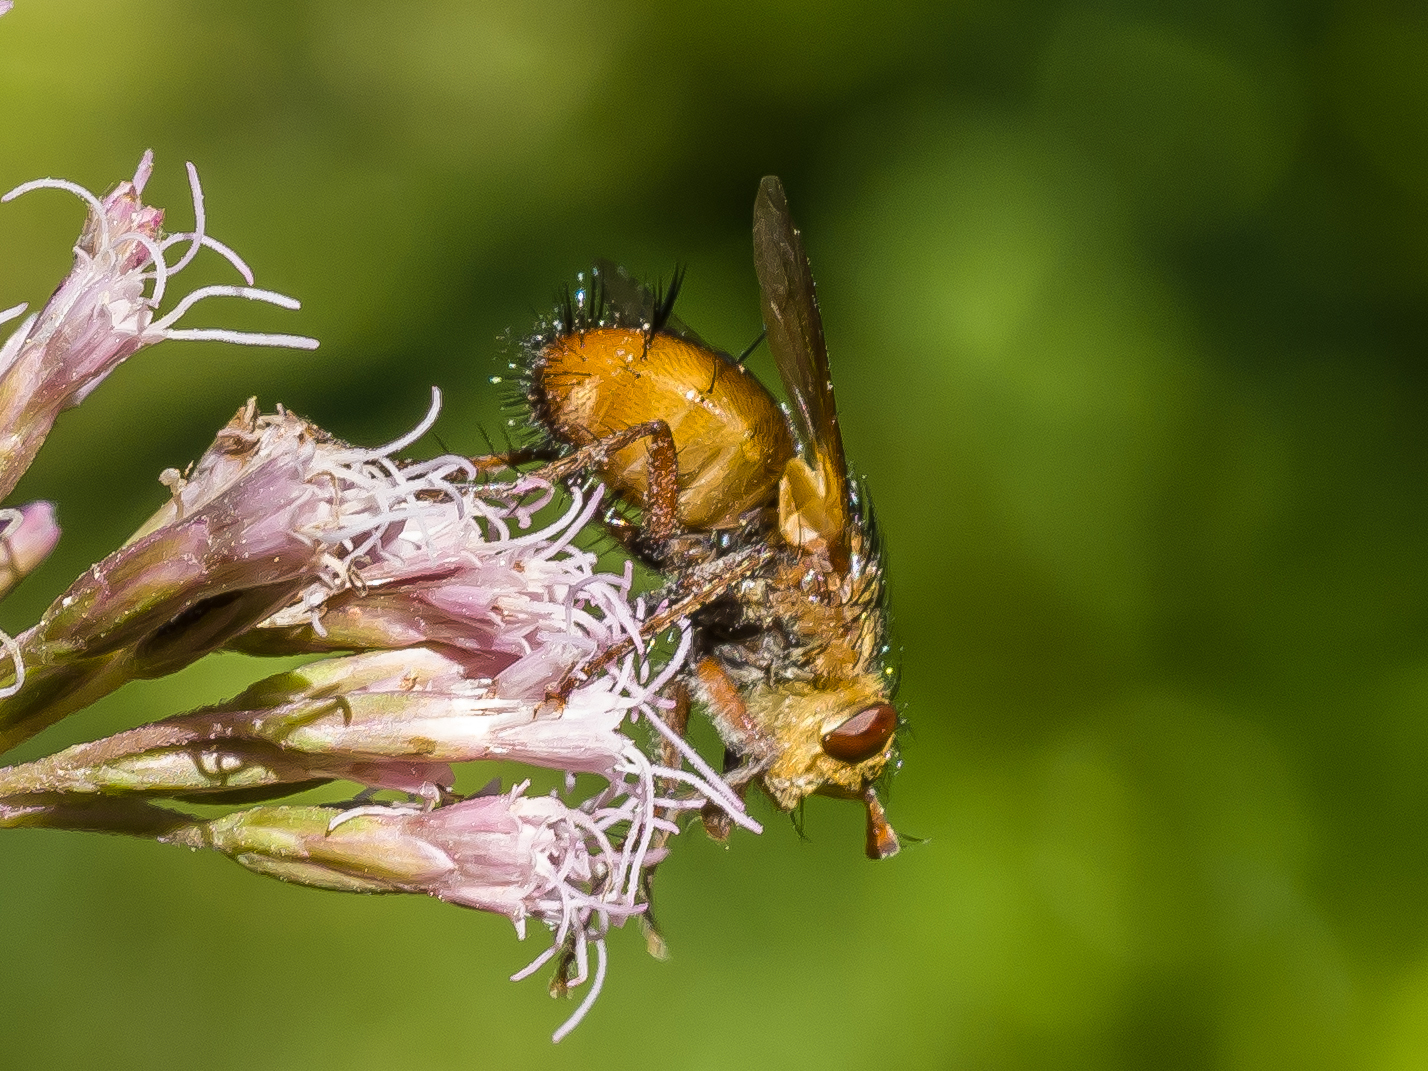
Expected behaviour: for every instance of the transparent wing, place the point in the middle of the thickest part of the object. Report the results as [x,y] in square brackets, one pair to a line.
[795,333]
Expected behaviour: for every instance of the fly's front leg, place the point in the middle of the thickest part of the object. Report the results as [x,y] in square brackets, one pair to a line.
[660,522]
[662,471]
[742,735]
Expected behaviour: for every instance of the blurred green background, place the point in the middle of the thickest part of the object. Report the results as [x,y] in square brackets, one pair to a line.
[1127,305]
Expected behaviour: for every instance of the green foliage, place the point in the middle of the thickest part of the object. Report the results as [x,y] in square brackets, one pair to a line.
[1126,305]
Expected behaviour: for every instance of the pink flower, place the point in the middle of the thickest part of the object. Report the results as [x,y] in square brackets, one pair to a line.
[229,549]
[575,869]
[441,559]
[489,637]
[466,623]
[104,312]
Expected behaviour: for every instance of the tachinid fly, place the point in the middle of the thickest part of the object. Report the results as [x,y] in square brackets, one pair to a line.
[747,509]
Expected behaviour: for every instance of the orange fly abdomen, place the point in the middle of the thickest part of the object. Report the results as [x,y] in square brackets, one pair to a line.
[731,438]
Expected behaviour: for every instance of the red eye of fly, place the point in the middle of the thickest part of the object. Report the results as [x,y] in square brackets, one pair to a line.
[863,735]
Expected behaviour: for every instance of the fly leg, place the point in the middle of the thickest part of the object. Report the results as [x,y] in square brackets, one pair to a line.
[746,743]
[661,516]
[661,509]
[660,523]
[712,582]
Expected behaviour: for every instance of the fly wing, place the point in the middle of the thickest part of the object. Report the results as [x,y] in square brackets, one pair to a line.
[795,335]
[794,325]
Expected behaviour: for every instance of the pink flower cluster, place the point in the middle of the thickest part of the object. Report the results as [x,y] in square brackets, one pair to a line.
[461,619]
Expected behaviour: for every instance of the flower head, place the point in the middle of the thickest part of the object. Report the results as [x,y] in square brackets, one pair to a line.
[105,311]
[464,569]
[482,635]
[239,538]
[575,869]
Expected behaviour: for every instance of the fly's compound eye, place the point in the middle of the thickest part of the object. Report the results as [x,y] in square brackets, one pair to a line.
[863,735]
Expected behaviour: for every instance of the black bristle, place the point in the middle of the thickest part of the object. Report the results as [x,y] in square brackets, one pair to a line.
[566,315]
[749,351]
[798,816]
[664,301]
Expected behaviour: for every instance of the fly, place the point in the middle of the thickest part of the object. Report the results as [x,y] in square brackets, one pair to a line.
[749,511]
